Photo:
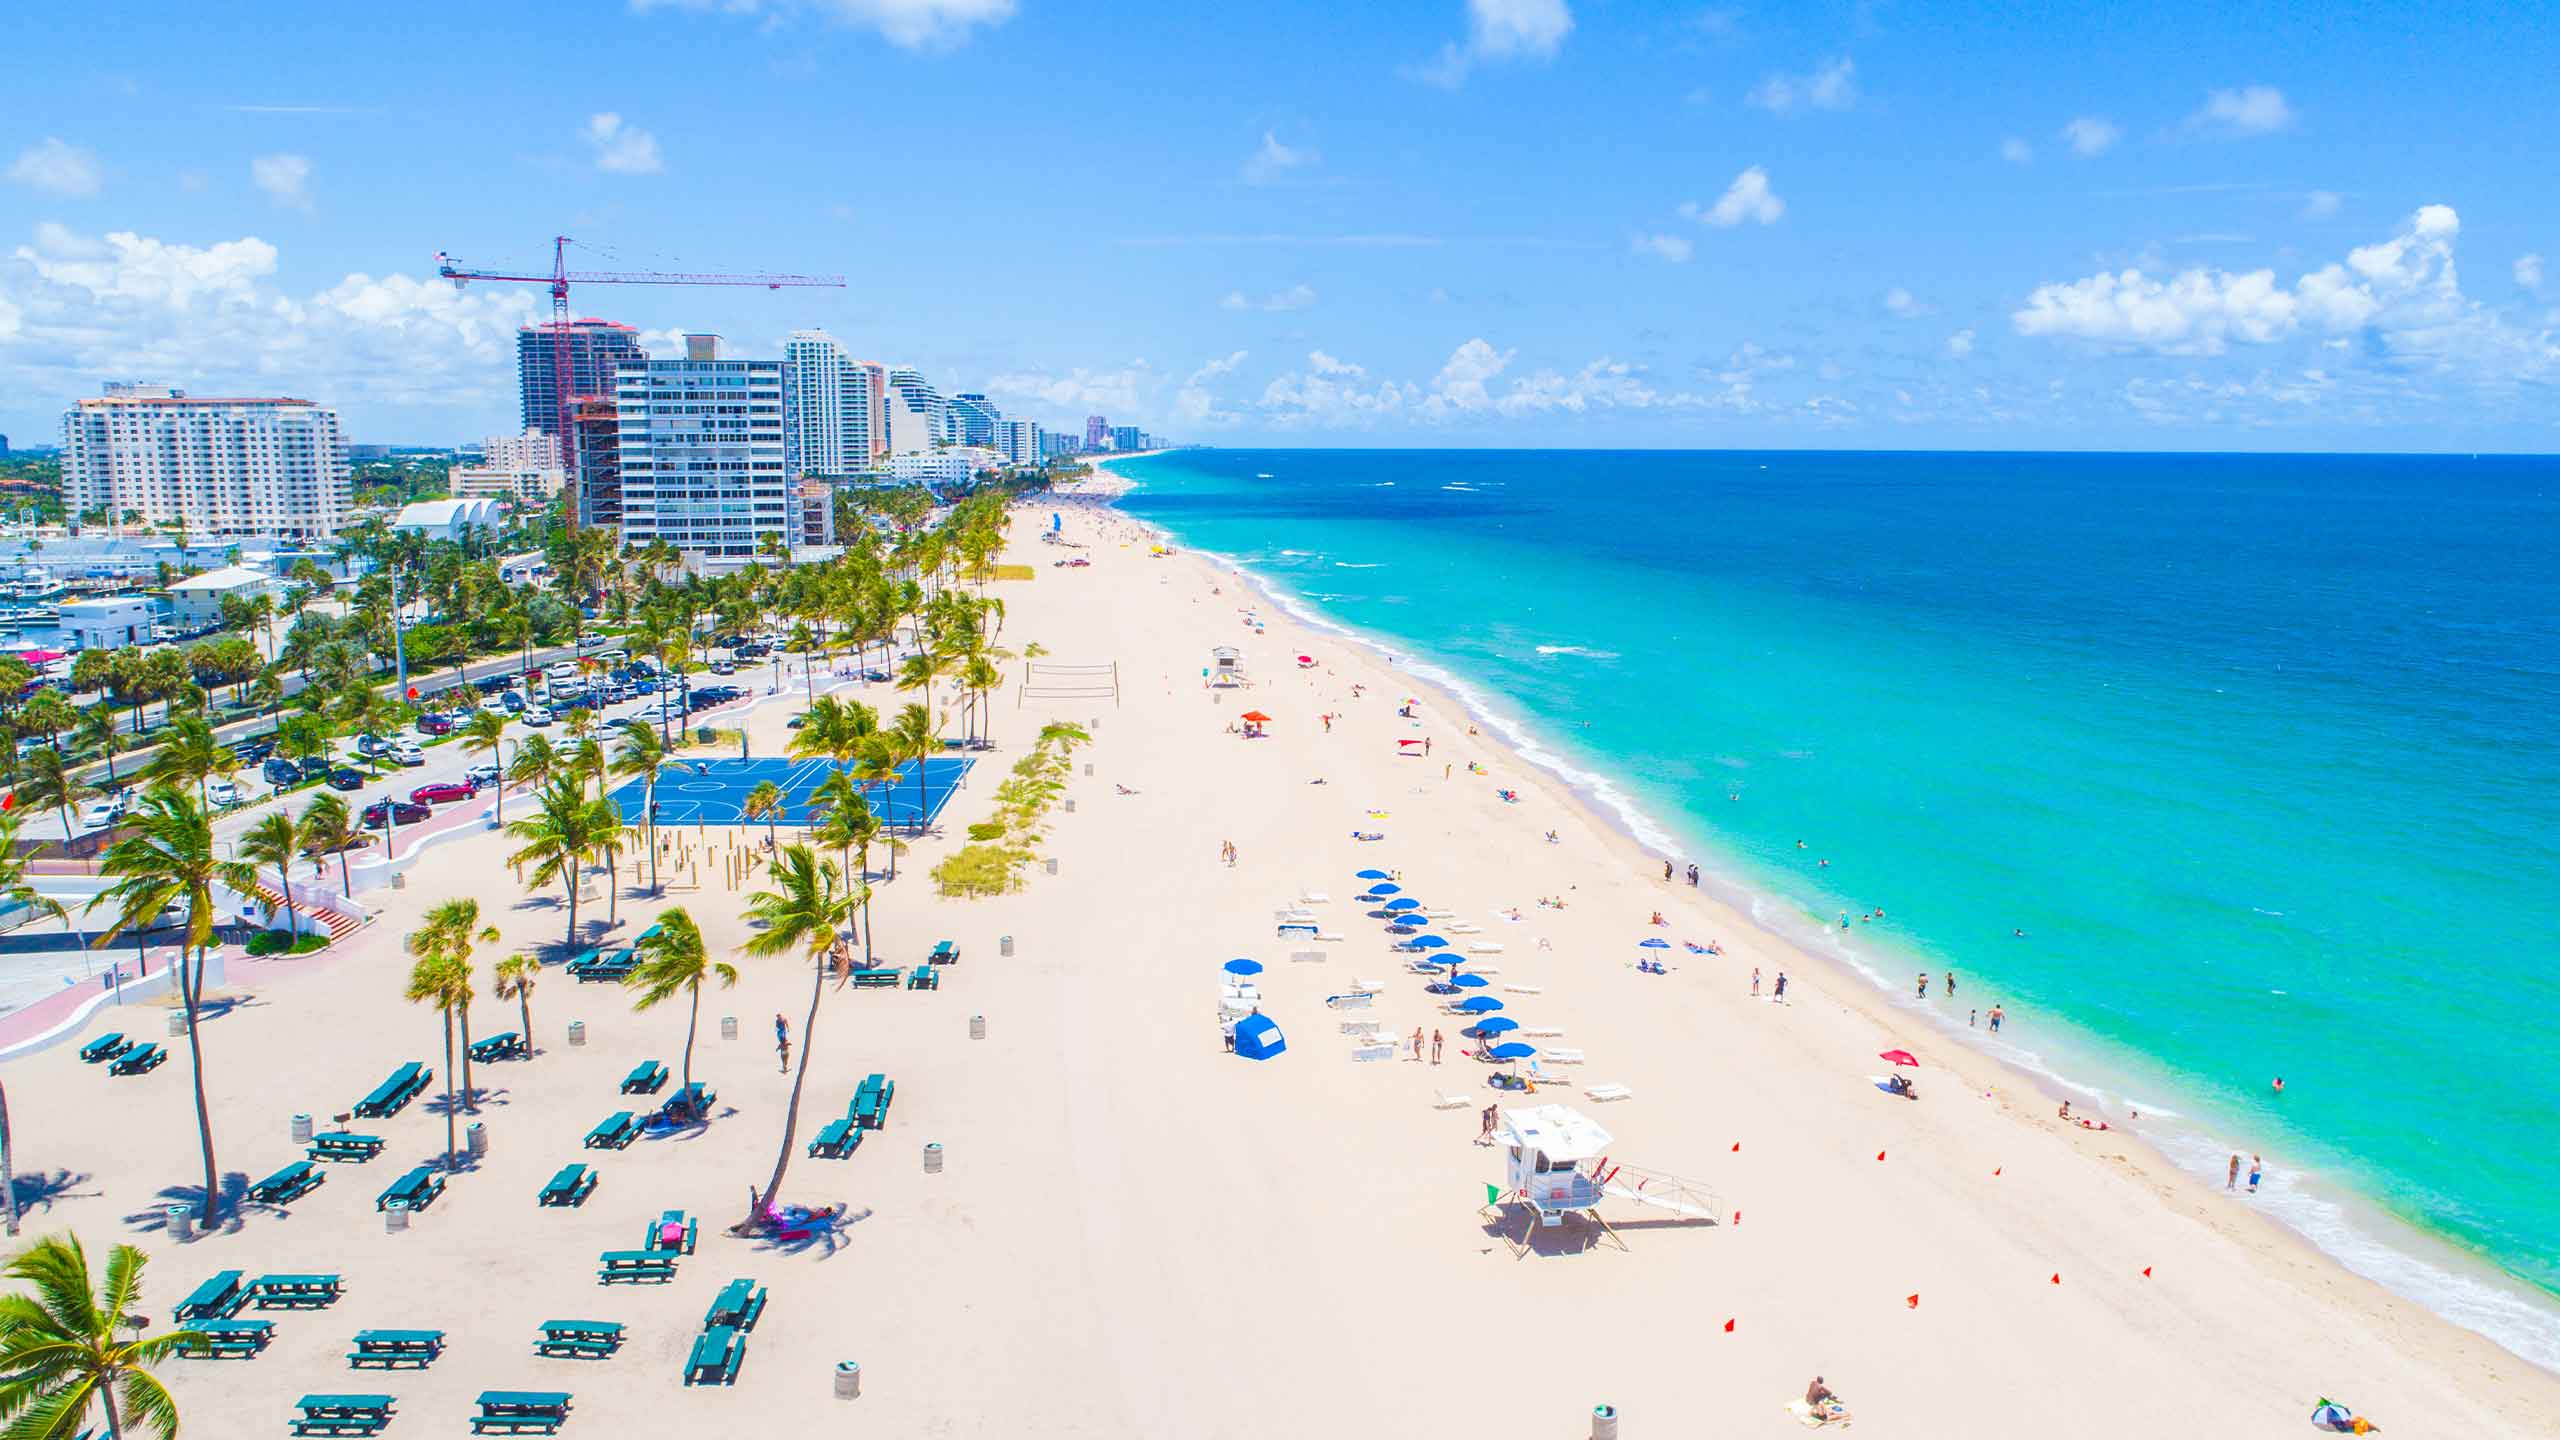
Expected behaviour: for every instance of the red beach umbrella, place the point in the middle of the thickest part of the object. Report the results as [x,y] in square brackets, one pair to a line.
[1900,1057]
[1257,717]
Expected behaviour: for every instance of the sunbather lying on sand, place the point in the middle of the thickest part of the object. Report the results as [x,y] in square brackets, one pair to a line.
[1824,1405]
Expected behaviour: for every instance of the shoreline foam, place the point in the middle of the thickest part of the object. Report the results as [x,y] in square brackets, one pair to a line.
[2347,1229]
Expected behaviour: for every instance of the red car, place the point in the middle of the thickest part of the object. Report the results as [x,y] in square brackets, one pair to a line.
[444,790]
[435,725]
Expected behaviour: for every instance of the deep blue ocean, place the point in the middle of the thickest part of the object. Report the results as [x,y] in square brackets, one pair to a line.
[2261,753]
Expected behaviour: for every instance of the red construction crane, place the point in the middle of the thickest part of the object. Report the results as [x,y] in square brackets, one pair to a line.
[560,279]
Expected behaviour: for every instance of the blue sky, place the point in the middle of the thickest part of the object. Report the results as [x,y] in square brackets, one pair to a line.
[1458,223]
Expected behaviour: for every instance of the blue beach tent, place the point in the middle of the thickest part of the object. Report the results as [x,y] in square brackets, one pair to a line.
[1258,1038]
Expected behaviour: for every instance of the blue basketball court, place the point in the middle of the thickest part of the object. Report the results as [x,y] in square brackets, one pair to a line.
[714,792]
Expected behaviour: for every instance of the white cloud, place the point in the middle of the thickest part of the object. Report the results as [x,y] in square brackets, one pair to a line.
[1831,86]
[2528,272]
[2321,205]
[1296,297]
[1476,384]
[1324,364]
[1193,404]
[2017,151]
[1747,198]
[1900,302]
[909,24]
[622,148]
[2406,286]
[1274,161]
[1960,344]
[2249,110]
[1216,368]
[56,166]
[1674,248]
[1498,30]
[285,178]
[2092,134]
[1129,390]
[211,317]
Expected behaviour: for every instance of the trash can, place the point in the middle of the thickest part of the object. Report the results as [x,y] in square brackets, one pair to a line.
[1088,769]
[181,1220]
[1052,863]
[395,1217]
[728,1027]
[1004,945]
[399,879]
[933,1157]
[475,1139]
[302,1129]
[1071,804]
[977,1027]
[577,1032]
[848,1380]
[1604,1422]
[177,1022]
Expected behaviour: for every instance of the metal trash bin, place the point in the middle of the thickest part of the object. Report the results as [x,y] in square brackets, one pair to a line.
[1052,863]
[1088,769]
[181,1220]
[395,1217]
[177,1022]
[302,1128]
[1071,804]
[577,1032]
[1604,1422]
[933,1157]
[977,1027]
[728,1027]
[1004,945]
[848,1380]
[475,1139]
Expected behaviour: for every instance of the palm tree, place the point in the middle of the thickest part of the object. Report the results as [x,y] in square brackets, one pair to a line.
[456,926]
[190,754]
[674,959]
[51,784]
[806,911]
[480,736]
[97,727]
[14,885]
[327,829]
[514,979]
[557,840]
[433,980]
[606,835]
[641,752]
[61,1346]
[166,859]
[277,840]
[912,737]
[876,763]
[766,800]
[535,763]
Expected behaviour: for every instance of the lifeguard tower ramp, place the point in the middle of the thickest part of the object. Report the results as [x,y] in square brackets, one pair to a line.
[1557,1166]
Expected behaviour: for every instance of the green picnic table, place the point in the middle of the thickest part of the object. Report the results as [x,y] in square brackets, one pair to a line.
[505,1045]
[838,1140]
[418,1189]
[513,1412]
[404,1085]
[579,1339]
[228,1339]
[614,1132]
[342,1414]
[295,1292]
[877,979]
[140,1060]
[739,1303]
[288,1184]
[944,953]
[924,977]
[635,1265]
[645,1078]
[392,1348]
[345,1145]
[570,1186]
[673,1231]
[717,1354]
[105,1047]
[216,1299]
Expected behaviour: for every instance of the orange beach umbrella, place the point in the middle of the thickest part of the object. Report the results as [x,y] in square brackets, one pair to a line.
[1257,717]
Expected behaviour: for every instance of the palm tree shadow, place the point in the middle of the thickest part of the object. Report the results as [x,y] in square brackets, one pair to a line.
[231,1205]
[38,1192]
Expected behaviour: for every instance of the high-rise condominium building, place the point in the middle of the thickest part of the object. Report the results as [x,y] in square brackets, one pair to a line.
[705,452]
[973,420]
[1127,437]
[839,406]
[1018,441]
[236,466]
[919,416]
[1097,432]
[596,348]
[596,494]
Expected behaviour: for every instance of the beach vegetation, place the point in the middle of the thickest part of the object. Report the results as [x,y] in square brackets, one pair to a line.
[559,839]
[810,909]
[641,753]
[46,781]
[672,962]
[165,860]
[283,942]
[514,979]
[277,840]
[481,735]
[329,828]
[69,1343]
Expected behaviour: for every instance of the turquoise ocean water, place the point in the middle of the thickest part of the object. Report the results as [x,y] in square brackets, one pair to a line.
[2261,753]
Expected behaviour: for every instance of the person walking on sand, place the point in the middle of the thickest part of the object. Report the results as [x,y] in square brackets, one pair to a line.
[1951,978]
[1782,987]
[782,1040]
[1995,1019]
[1435,1047]
[2256,1164]
[1417,1042]
[1666,870]
[2232,1181]
[1491,1114]
[1755,982]
[1923,992]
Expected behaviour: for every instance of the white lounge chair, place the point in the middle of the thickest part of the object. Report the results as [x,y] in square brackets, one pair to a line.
[1359,1000]
[1307,957]
[1294,915]
[1463,929]
[1365,1029]
[1608,1092]
[1541,1032]
[1333,937]
[1453,1102]
[1381,1051]
[1544,1074]
[1485,947]
[1437,914]
[1483,969]
[1562,1054]
[1367,987]
[1525,989]
[1314,897]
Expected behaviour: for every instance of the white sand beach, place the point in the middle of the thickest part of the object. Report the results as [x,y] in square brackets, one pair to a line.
[1135,1233]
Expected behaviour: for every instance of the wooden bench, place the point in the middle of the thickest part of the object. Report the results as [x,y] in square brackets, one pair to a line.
[570,1186]
[645,1078]
[614,1132]
[390,1349]
[717,1354]
[228,1339]
[140,1060]
[514,1412]
[295,1292]
[740,1303]
[579,1339]
[838,1140]
[393,1094]
[418,1189]
[340,1145]
[342,1414]
[635,1266]
[288,1184]
[216,1299]
[507,1045]
[105,1047]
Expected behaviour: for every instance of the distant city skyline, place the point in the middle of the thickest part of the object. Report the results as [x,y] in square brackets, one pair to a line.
[1460,223]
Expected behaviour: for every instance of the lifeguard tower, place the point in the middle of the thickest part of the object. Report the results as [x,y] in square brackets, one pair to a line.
[1226,668]
[1557,1165]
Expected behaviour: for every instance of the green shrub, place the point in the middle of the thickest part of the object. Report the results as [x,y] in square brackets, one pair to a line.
[279,942]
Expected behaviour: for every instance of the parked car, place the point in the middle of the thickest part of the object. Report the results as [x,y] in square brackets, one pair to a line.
[876,677]
[491,684]
[445,790]
[221,794]
[281,772]
[105,810]
[724,667]
[560,671]
[481,775]
[537,717]
[253,751]
[345,778]
[372,745]
[752,650]
[405,812]
[644,686]
[407,752]
[513,700]
[435,725]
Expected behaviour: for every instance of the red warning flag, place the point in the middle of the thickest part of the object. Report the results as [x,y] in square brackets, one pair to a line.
[1911,1300]
[2146,1272]
[2057,1279]
[1728,1327]
[1879,1154]
[1995,1172]
[1737,1147]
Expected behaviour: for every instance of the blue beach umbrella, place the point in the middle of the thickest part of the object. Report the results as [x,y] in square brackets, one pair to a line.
[1384,888]
[1372,875]
[1243,967]
[1428,942]
[1469,982]
[1656,943]
[1496,1025]
[1479,1005]
[1512,1051]
[1401,905]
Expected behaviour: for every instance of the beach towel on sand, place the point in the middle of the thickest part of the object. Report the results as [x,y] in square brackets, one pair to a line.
[1805,1416]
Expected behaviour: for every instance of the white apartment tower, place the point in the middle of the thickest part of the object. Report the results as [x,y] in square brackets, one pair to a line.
[919,416]
[705,452]
[225,465]
[1018,441]
[839,406]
